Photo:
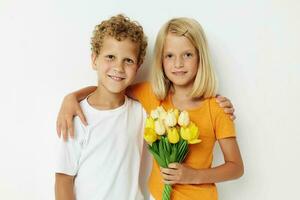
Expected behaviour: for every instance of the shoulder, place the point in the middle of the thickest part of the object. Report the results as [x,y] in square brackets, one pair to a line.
[222,124]
[216,112]
[142,86]
[79,127]
[214,108]
[134,105]
[213,104]
[144,94]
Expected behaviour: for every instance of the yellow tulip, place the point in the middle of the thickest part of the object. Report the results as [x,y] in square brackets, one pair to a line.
[162,113]
[170,119]
[150,135]
[190,133]
[154,114]
[173,135]
[183,119]
[150,122]
[159,127]
[176,112]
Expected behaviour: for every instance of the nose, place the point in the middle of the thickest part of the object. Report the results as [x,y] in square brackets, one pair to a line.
[178,62]
[118,67]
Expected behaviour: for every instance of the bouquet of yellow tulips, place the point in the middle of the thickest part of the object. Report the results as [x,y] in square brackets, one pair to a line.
[168,134]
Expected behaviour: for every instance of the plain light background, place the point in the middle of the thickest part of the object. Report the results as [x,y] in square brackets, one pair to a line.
[255,45]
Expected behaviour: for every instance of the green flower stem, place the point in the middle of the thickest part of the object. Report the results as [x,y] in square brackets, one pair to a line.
[167,192]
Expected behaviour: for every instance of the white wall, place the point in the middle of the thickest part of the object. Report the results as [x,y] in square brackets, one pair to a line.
[255,45]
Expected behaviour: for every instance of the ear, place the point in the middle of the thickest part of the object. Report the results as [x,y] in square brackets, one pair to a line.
[94,59]
[138,67]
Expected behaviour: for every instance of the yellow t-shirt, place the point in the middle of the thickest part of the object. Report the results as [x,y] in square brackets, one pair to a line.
[213,124]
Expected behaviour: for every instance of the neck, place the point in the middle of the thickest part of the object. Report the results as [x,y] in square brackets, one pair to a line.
[182,100]
[181,93]
[104,99]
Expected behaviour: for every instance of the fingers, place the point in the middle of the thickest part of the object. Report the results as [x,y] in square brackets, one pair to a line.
[220,98]
[58,128]
[174,165]
[169,171]
[226,104]
[65,125]
[63,128]
[170,176]
[232,117]
[81,116]
[169,182]
[229,110]
[70,127]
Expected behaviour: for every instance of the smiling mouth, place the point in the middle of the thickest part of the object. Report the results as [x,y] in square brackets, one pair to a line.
[179,73]
[116,78]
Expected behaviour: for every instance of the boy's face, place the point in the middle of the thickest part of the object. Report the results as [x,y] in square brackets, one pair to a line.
[116,64]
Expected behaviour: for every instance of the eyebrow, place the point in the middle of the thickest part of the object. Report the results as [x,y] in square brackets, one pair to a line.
[184,51]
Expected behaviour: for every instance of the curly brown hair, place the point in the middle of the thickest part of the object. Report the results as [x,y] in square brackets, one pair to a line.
[120,27]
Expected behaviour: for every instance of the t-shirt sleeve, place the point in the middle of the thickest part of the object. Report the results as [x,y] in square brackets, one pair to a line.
[223,125]
[144,94]
[68,152]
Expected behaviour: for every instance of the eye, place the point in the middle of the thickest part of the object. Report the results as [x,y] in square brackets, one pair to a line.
[110,57]
[188,55]
[169,56]
[129,61]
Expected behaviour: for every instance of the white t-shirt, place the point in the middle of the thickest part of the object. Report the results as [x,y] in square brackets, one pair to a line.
[105,156]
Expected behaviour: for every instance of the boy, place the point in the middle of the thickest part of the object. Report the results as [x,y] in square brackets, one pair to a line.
[103,159]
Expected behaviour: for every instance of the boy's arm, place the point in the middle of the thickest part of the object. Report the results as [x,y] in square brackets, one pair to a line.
[84,92]
[64,187]
[70,107]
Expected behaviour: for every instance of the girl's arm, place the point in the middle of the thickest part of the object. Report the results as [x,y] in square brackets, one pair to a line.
[232,168]
[64,185]
[70,107]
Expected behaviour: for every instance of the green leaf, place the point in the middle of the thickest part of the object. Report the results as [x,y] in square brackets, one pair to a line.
[154,146]
[168,145]
[159,160]
[162,153]
[166,153]
[182,146]
[183,156]
[173,154]
[183,149]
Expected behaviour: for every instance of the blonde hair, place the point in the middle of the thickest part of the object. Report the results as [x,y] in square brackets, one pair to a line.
[205,84]
[119,27]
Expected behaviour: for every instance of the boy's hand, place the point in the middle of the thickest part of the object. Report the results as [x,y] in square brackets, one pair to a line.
[179,174]
[226,105]
[69,108]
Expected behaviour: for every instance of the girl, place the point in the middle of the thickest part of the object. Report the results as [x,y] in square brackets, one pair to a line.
[183,78]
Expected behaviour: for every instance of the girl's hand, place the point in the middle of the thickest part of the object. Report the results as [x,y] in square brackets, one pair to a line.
[180,174]
[69,108]
[226,105]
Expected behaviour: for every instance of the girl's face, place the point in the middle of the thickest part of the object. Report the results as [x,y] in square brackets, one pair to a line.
[180,60]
